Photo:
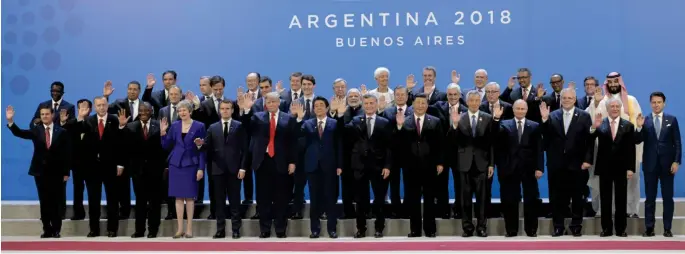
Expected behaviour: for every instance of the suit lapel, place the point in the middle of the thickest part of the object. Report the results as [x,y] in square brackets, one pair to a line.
[664,125]
[41,133]
[619,131]
[574,119]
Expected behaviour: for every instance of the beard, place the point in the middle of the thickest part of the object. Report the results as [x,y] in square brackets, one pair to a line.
[614,89]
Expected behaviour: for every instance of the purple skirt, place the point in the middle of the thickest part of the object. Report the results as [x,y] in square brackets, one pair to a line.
[183,182]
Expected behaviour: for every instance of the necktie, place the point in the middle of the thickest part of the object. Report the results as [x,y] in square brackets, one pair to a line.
[132,109]
[174,115]
[525,94]
[567,121]
[369,128]
[56,106]
[225,130]
[473,125]
[272,135]
[657,126]
[558,101]
[613,132]
[320,128]
[491,112]
[399,110]
[145,131]
[307,105]
[101,128]
[587,100]
[47,137]
[166,98]
[216,105]
[296,96]
[418,125]
[520,130]
[206,97]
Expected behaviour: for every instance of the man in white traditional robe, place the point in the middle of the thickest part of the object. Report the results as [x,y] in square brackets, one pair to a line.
[615,88]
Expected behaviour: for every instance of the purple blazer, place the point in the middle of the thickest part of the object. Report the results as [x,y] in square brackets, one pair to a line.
[183,151]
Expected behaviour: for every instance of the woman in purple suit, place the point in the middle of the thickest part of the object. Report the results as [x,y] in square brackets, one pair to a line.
[186,162]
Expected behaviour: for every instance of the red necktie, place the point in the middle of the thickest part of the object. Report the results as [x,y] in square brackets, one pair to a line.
[272,134]
[47,137]
[145,131]
[101,128]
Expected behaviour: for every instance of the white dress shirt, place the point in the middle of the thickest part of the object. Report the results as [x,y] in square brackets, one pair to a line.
[323,125]
[53,105]
[134,108]
[293,93]
[403,107]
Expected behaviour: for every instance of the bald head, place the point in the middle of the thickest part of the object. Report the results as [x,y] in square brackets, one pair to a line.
[520,109]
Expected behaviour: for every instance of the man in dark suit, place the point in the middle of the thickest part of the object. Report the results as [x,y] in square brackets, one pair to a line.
[159,99]
[323,165]
[473,132]
[553,99]
[370,161]
[429,89]
[79,167]
[520,161]
[49,166]
[480,79]
[390,113]
[170,112]
[590,84]
[273,138]
[443,110]
[300,178]
[352,108]
[615,163]
[102,139]
[266,86]
[422,141]
[226,143]
[569,154]
[57,104]
[295,90]
[531,95]
[146,167]
[660,162]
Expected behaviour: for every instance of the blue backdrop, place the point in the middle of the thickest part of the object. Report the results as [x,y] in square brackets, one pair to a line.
[83,43]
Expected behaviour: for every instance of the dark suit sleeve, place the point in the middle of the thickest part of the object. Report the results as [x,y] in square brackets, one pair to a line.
[203,154]
[630,135]
[494,127]
[18,132]
[71,112]
[209,141]
[387,131]
[294,140]
[676,142]
[537,141]
[506,95]
[243,140]
[590,142]
[114,108]
[440,157]
[338,139]
[67,153]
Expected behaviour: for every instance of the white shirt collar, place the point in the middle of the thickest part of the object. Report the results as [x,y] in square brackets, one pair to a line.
[311,97]
[226,121]
[660,115]
[570,111]
[298,92]
[471,114]
[614,119]
[59,102]
[321,119]
[277,112]
[403,107]
[417,116]
[523,121]
[48,126]
[103,118]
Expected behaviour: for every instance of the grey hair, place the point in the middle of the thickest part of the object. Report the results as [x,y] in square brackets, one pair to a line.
[612,100]
[146,104]
[380,70]
[481,70]
[353,90]
[454,86]
[368,95]
[185,104]
[176,87]
[472,93]
[205,77]
[252,74]
[273,96]
[339,80]
[492,84]
[568,90]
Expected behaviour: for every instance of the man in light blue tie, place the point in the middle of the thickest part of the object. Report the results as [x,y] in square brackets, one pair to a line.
[661,160]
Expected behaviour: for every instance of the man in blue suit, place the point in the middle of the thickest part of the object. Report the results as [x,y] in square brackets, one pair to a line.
[661,159]
[227,142]
[322,164]
[273,138]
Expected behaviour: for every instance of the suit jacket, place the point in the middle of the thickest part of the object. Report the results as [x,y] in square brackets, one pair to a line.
[122,104]
[568,151]
[441,110]
[207,113]
[287,95]
[107,149]
[665,149]
[583,103]
[514,157]
[615,156]
[183,151]
[396,146]
[424,150]
[369,155]
[478,149]
[54,161]
[285,141]
[258,105]
[462,99]
[508,112]
[229,153]
[55,117]
[157,99]
[436,96]
[144,155]
[324,151]
[511,95]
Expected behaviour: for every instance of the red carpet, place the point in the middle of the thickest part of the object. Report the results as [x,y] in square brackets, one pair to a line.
[341,246]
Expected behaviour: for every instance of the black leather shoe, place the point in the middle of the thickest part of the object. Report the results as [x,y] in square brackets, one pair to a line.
[622,234]
[211,217]
[56,235]
[333,235]
[281,235]
[532,234]
[247,202]
[481,233]
[323,217]
[430,235]
[296,216]
[111,234]
[137,235]
[649,232]
[577,232]
[255,216]
[510,234]
[152,235]
[264,235]
[219,234]
[170,217]
[605,233]
[558,232]
[46,235]
[80,217]
[314,235]
[360,234]
[414,234]
[467,234]
[93,234]
[236,235]
[378,234]
[667,233]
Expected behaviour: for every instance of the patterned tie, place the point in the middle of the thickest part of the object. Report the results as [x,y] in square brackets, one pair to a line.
[145,131]
[369,128]
[297,96]
[520,129]
[101,128]
[272,135]
[418,125]
[47,137]
[657,126]
[613,132]
[525,94]
[473,125]
[320,128]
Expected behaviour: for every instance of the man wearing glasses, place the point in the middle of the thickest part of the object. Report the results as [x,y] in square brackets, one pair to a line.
[525,91]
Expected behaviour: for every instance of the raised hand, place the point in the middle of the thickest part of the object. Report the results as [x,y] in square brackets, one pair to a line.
[640,120]
[298,110]
[362,89]
[335,103]
[63,116]
[151,81]
[498,110]
[572,85]
[248,100]
[9,114]
[455,77]
[279,86]
[199,141]
[382,103]
[544,110]
[598,94]
[123,119]
[455,116]
[540,90]
[512,82]
[108,89]
[411,83]
[400,119]
[598,121]
[385,173]
[164,125]
[83,109]
[240,91]
[190,96]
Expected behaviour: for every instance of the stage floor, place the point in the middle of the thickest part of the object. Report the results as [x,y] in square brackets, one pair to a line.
[567,244]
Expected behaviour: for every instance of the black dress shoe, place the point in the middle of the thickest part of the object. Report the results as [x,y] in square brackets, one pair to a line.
[622,234]
[667,233]
[333,235]
[532,234]
[111,234]
[211,217]
[46,235]
[264,235]
[558,232]
[56,235]
[323,217]
[314,235]
[93,234]
[80,217]
[510,234]
[170,217]
[378,234]
[360,234]
[605,233]
[219,234]
[152,235]
[255,216]
[577,232]
[481,233]
[649,232]
[281,235]
[236,235]
[247,202]
[296,216]
[635,216]
[467,234]
[137,235]
[430,235]
[414,234]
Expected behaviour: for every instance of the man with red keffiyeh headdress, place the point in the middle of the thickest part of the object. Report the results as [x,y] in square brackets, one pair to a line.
[615,88]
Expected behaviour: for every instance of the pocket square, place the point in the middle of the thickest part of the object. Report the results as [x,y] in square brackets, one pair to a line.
[668,125]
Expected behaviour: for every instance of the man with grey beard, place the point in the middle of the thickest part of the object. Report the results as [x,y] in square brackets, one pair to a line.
[352,109]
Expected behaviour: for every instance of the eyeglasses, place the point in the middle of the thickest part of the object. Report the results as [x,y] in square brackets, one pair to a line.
[522,77]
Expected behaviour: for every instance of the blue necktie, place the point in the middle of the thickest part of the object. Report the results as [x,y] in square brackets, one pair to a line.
[473,125]
[657,126]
